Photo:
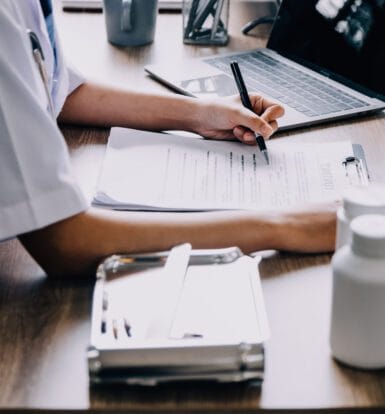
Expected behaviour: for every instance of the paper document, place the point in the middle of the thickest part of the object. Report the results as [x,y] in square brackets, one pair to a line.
[152,171]
[227,306]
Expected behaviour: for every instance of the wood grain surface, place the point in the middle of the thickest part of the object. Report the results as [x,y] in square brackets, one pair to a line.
[45,324]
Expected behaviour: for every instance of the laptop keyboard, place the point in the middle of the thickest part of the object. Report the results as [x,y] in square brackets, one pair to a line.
[288,85]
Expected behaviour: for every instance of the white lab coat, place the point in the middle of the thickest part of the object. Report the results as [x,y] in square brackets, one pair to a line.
[37,185]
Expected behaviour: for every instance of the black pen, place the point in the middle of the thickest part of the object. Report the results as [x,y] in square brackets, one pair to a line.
[247,104]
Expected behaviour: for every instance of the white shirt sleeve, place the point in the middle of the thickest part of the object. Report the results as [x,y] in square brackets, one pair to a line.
[75,79]
[37,186]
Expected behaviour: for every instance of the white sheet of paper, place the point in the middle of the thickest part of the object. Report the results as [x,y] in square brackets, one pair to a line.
[222,302]
[153,171]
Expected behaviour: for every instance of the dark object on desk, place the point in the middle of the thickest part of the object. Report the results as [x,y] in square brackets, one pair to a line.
[97,5]
[260,20]
[205,22]
[130,22]
[311,66]
[247,104]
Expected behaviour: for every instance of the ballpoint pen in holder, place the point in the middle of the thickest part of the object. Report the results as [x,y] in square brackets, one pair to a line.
[205,22]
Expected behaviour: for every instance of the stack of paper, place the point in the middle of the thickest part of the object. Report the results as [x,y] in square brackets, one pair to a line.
[153,171]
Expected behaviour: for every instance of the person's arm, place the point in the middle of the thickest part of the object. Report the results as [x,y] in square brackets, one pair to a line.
[76,245]
[98,105]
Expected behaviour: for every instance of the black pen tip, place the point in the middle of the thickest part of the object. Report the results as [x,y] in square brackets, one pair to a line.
[266,155]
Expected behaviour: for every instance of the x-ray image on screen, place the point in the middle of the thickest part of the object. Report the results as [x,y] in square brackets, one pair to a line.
[347,37]
[353,19]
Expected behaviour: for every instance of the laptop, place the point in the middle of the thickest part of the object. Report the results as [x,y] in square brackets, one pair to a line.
[324,60]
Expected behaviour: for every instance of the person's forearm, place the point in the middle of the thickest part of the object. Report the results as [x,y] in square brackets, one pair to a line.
[98,105]
[74,246]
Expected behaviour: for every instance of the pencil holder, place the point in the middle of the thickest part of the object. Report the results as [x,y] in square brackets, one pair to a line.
[205,22]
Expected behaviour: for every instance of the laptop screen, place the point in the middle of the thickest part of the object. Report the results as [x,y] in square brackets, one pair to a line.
[345,37]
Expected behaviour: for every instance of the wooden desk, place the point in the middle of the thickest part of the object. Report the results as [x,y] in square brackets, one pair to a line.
[44,325]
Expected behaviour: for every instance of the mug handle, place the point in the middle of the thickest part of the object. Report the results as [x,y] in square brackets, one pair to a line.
[126,19]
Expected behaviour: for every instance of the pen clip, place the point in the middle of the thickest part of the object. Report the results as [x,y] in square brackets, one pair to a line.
[35,43]
[359,169]
[39,58]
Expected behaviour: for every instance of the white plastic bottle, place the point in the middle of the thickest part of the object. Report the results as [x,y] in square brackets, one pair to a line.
[357,333]
[356,202]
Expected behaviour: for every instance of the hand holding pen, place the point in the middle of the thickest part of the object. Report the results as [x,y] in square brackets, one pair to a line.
[266,115]
[226,118]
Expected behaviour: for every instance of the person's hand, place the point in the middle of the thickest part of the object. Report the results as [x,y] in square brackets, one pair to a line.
[227,118]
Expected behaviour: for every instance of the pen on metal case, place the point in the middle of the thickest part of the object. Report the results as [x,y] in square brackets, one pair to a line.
[247,104]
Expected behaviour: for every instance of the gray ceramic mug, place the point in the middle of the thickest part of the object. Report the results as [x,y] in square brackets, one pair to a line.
[130,22]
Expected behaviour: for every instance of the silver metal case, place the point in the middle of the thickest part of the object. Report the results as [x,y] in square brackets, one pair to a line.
[183,315]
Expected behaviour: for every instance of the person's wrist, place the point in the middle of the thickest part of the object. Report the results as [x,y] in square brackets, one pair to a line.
[177,112]
[195,110]
[306,231]
[276,231]
[261,231]
[286,231]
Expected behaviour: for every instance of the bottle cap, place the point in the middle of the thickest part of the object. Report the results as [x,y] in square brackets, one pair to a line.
[369,235]
[364,200]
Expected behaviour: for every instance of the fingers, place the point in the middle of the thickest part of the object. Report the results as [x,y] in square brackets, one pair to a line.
[272,113]
[262,104]
[258,124]
[228,119]
[247,136]
[268,110]
[249,122]
[262,120]
[244,135]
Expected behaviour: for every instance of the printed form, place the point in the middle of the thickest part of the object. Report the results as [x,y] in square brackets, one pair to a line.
[153,171]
